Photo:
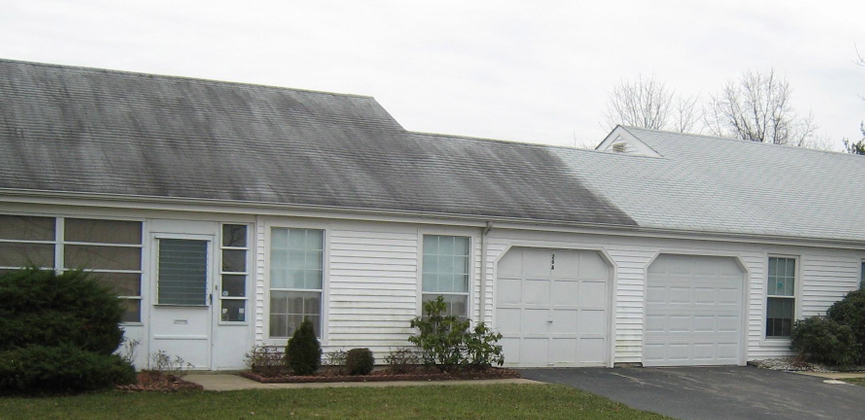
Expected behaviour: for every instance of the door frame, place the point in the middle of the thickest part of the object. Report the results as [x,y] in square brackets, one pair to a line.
[208,306]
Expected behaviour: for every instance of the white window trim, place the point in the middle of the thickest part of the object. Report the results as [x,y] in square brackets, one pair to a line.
[217,283]
[325,291]
[797,287]
[470,301]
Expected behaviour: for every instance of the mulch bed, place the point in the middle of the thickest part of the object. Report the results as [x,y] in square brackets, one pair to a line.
[384,376]
[794,364]
[156,382]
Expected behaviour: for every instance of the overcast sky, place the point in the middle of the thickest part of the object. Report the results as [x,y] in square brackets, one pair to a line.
[528,71]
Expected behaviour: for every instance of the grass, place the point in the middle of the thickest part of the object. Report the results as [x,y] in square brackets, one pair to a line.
[855,381]
[474,401]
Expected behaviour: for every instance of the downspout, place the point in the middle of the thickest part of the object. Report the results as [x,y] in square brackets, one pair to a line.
[483,286]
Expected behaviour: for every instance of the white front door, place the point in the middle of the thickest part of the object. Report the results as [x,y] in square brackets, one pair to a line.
[552,307]
[181,312]
[693,311]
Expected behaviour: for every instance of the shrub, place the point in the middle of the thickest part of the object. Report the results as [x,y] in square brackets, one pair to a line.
[482,348]
[822,340]
[359,362]
[58,333]
[266,361]
[43,369]
[336,359]
[851,312]
[446,342]
[44,308]
[401,360]
[303,352]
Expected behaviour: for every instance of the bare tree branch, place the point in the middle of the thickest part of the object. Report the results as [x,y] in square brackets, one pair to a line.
[757,108]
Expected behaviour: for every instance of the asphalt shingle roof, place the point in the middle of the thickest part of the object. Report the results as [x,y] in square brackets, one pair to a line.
[720,185]
[85,130]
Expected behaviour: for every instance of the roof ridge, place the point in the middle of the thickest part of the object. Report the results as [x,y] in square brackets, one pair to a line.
[522,143]
[735,140]
[178,77]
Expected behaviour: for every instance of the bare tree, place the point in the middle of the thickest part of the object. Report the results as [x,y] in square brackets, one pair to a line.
[757,108]
[649,103]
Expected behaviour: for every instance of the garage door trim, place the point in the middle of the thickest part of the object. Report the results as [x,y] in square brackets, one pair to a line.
[611,285]
[746,292]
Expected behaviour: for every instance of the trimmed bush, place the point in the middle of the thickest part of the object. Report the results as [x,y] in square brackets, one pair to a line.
[359,362]
[303,352]
[851,312]
[445,341]
[58,333]
[44,308]
[401,360]
[41,369]
[822,340]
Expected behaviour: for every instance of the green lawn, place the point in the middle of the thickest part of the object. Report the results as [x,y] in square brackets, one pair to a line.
[856,381]
[478,401]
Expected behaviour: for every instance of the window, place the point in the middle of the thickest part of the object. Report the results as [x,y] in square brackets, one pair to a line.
[781,300]
[110,249]
[296,279]
[233,273]
[446,272]
[26,241]
[182,272]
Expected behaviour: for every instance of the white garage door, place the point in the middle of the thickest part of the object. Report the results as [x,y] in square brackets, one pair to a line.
[551,307]
[693,311]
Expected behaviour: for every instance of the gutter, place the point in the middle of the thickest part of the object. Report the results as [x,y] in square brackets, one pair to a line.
[482,302]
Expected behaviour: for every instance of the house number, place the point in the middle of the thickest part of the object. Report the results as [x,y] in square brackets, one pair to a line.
[553,261]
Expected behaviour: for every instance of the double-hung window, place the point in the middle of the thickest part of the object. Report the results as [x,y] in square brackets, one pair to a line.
[446,272]
[781,297]
[296,279]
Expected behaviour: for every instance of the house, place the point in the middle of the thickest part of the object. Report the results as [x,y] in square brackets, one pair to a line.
[225,213]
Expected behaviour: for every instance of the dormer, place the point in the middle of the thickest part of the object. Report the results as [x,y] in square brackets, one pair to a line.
[621,141]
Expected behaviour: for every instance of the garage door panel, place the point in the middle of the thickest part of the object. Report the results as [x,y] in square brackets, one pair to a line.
[510,266]
[509,291]
[554,316]
[536,292]
[693,311]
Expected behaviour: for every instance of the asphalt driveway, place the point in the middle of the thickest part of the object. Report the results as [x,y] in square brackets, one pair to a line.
[728,392]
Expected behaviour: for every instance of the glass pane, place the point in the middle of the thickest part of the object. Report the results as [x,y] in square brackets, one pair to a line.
[313,260]
[182,272]
[791,267]
[430,245]
[296,239]
[461,283]
[296,259]
[234,260]
[103,231]
[430,263]
[313,279]
[24,255]
[27,228]
[287,310]
[279,238]
[123,284]
[233,285]
[461,246]
[456,304]
[430,283]
[779,317]
[233,310]
[461,265]
[133,310]
[234,235]
[446,245]
[314,239]
[102,257]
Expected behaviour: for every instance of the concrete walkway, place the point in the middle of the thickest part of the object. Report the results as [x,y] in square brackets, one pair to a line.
[235,383]
[835,375]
